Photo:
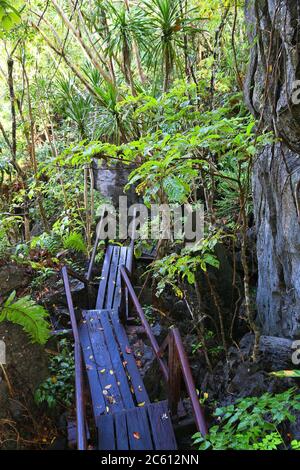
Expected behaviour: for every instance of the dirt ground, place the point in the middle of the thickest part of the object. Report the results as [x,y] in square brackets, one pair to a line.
[23,425]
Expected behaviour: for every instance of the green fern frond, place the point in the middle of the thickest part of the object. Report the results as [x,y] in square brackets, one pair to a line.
[28,314]
[74,241]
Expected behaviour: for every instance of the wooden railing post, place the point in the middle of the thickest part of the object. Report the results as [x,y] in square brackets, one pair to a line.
[137,307]
[178,367]
[189,382]
[94,252]
[79,390]
[175,374]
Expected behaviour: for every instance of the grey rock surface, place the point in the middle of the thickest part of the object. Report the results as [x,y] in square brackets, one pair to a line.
[12,277]
[274,31]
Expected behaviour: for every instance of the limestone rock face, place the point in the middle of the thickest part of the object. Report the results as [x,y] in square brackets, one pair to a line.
[274,68]
[278,241]
[110,181]
[12,277]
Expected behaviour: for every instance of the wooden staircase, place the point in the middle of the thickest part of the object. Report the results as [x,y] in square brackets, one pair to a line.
[124,416]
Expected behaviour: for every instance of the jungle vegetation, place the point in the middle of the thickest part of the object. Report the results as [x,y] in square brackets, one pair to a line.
[155,86]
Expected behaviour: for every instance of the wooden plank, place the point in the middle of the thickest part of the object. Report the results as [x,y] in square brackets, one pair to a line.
[106,433]
[102,360]
[161,426]
[104,278]
[112,277]
[117,364]
[121,431]
[98,401]
[135,377]
[122,261]
[130,250]
[138,429]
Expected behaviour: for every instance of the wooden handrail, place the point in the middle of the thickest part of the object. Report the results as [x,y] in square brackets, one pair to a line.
[94,252]
[139,310]
[175,336]
[178,361]
[79,390]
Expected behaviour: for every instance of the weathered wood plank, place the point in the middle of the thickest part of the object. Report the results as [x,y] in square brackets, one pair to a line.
[161,426]
[106,433]
[129,360]
[104,278]
[121,431]
[98,401]
[122,261]
[138,429]
[117,364]
[102,360]
[112,277]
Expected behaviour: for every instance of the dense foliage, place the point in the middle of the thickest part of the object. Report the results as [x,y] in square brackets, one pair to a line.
[155,88]
[253,423]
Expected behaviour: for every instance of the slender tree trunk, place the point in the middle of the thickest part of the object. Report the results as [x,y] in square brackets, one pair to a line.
[21,174]
[137,53]
[167,69]
[87,208]
[32,153]
[78,36]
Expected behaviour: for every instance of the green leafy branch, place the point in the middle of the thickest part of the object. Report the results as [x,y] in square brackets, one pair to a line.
[28,314]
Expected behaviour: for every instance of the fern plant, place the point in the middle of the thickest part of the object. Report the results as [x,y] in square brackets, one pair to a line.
[74,241]
[28,314]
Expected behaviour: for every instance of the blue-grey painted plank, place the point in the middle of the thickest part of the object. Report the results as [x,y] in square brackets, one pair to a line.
[98,402]
[128,356]
[110,291]
[104,278]
[122,261]
[122,442]
[117,363]
[161,426]
[106,433]
[102,360]
[138,430]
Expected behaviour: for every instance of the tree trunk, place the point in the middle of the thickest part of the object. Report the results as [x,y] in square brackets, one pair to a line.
[274,31]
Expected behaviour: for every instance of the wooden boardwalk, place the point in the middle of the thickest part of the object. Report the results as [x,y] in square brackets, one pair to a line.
[123,414]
